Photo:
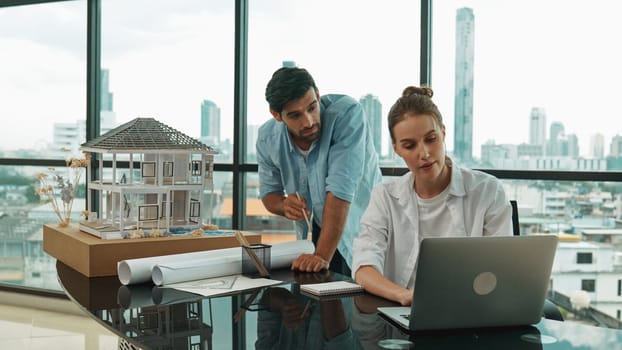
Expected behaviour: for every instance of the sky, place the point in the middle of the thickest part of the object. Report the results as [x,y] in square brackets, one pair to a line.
[166,57]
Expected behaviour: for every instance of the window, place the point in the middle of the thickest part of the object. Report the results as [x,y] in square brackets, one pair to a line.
[504,89]
[619,287]
[43,70]
[588,285]
[167,169]
[584,258]
[172,61]
[147,213]
[372,56]
[195,168]
[21,217]
[148,169]
[195,210]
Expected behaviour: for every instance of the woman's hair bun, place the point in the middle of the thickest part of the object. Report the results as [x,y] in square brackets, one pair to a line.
[418,90]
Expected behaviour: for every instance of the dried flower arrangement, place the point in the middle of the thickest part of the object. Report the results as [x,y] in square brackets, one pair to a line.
[59,190]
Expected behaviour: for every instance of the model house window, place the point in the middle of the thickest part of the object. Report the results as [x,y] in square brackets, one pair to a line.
[588,285]
[147,212]
[195,208]
[148,169]
[584,258]
[167,169]
[163,209]
[619,287]
[195,167]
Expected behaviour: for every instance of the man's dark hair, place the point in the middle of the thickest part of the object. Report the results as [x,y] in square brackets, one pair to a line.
[287,84]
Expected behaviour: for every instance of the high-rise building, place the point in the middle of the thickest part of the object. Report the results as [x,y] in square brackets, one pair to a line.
[463,98]
[68,137]
[108,118]
[289,64]
[251,140]
[105,94]
[556,134]
[597,146]
[572,145]
[210,123]
[537,128]
[373,110]
[616,147]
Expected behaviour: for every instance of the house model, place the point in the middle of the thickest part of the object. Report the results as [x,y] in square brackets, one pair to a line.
[160,187]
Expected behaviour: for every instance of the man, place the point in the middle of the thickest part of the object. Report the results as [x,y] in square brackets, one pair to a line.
[316,159]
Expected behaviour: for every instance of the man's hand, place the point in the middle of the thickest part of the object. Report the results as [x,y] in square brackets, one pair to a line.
[294,206]
[309,263]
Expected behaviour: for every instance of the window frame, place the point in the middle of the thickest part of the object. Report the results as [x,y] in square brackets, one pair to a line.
[240,165]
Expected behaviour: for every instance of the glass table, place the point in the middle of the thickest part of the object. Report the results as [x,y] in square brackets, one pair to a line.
[280,317]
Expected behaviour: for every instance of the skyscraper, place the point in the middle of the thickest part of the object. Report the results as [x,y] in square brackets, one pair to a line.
[556,136]
[373,110]
[537,128]
[106,95]
[108,118]
[616,147]
[210,123]
[573,145]
[463,98]
[597,146]
[69,136]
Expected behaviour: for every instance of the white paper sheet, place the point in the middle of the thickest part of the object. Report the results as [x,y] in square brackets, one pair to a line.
[212,286]
[200,265]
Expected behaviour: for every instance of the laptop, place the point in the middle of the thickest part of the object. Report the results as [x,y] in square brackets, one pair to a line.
[474,282]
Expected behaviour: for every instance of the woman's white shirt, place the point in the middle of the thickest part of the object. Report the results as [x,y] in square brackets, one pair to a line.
[391,230]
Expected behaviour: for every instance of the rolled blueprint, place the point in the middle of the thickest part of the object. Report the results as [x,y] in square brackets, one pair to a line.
[132,271]
[281,256]
[205,264]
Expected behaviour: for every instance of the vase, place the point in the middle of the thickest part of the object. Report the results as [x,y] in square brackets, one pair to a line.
[65,222]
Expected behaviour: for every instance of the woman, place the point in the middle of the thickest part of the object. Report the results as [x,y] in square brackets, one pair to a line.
[435,198]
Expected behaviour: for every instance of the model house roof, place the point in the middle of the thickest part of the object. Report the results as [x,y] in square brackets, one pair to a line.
[145,135]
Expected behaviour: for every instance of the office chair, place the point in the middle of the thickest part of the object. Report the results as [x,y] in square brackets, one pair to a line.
[549,310]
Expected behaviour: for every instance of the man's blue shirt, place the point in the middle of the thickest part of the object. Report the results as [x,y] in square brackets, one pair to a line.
[342,161]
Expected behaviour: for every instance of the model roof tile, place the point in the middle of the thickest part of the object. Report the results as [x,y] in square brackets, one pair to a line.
[145,134]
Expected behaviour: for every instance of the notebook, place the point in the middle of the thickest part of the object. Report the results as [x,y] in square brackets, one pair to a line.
[473,282]
[335,288]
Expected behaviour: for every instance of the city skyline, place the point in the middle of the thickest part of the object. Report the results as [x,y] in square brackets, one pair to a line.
[69,135]
[146,84]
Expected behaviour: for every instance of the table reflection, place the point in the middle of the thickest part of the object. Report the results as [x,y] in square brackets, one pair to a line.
[279,317]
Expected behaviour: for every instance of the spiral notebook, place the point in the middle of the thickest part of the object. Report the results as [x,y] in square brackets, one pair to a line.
[335,288]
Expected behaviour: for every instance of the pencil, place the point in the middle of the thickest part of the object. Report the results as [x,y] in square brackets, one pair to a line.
[304,213]
[246,246]
[304,311]
[238,315]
